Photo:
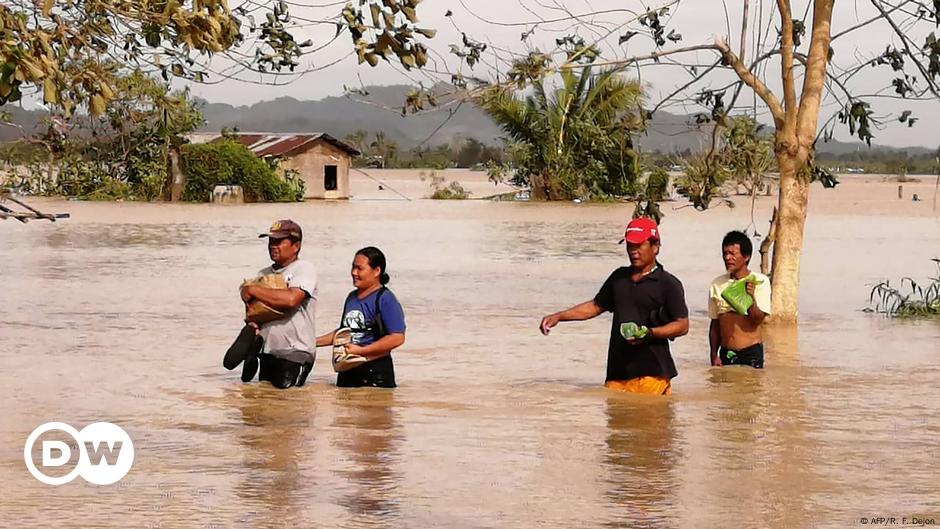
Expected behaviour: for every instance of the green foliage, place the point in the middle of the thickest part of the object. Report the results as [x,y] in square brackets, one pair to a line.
[574,142]
[112,189]
[25,166]
[653,192]
[747,153]
[858,116]
[740,159]
[472,153]
[81,177]
[440,157]
[652,20]
[470,51]
[441,190]
[914,301]
[357,140]
[384,152]
[453,191]
[496,172]
[702,178]
[230,163]
[656,184]
[121,154]
[146,171]
[67,50]
[386,30]
[880,161]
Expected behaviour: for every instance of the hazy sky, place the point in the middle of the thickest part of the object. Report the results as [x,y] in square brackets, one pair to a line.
[501,24]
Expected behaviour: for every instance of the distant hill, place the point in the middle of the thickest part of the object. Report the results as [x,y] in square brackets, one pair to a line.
[27,121]
[339,116]
[839,148]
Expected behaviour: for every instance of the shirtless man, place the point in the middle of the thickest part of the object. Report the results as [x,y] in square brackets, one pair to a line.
[733,338]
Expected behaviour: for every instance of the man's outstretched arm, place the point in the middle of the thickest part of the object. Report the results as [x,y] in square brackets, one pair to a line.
[582,311]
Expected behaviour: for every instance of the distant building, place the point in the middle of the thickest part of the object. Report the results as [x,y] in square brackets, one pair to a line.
[320,160]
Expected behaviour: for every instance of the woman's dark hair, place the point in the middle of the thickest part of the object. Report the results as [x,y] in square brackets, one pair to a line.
[739,238]
[376,260]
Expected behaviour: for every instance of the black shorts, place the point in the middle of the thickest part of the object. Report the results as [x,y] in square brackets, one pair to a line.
[379,373]
[282,373]
[751,356]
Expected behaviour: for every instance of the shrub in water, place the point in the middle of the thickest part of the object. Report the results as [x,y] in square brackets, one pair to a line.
[231,163]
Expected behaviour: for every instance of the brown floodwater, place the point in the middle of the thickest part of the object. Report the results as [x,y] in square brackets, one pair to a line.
[123,312]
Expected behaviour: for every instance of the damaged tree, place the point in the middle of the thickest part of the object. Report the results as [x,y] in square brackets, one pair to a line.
[808,74]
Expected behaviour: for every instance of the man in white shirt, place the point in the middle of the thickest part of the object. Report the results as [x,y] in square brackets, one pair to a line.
[287,346]
[735,338]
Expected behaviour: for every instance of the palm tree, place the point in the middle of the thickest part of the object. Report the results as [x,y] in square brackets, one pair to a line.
[575,142]
[356,139]
[384,148]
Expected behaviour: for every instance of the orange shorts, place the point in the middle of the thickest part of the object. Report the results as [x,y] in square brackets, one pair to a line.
[644,385]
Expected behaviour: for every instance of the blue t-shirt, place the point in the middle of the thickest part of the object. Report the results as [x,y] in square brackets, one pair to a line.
[359,315]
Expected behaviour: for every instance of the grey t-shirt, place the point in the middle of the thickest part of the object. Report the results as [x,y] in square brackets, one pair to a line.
[297,331]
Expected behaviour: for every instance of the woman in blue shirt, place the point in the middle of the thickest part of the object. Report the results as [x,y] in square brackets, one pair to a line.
[376,319]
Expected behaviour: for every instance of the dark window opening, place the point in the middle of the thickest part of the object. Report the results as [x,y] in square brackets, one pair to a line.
[329,178]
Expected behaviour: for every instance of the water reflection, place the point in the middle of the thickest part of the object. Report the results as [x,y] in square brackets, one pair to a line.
[273,441]
[739,451]
[92,236]
[641,459]
[741,401]
[369,437]
[545,241]
[760,431]
[791,442]
[781,343]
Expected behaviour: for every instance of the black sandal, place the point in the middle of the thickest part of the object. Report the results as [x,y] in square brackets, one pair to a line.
[240,348]
[250,366]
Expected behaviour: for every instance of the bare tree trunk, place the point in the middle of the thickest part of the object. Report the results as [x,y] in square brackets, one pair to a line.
[540,189]
[936,192]
[766,244]
[794,150]
[791,211]
[177,179]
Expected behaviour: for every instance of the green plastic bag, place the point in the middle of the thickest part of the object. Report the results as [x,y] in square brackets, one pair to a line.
[736,294]
[633,331]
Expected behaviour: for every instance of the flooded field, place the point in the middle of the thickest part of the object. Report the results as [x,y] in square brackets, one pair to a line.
[123,312]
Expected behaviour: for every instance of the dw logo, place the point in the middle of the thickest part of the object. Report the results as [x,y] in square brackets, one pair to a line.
[105,453]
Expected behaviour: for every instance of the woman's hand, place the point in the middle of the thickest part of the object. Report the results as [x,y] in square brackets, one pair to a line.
[354,349]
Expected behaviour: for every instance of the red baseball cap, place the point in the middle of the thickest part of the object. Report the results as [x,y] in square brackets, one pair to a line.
[639,230]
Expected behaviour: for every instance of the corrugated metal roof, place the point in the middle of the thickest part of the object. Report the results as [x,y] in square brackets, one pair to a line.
[262,144]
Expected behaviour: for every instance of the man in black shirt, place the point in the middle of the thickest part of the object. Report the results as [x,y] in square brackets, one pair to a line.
[645,294]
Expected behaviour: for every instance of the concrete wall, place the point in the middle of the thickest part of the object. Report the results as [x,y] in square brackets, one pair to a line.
[311,163]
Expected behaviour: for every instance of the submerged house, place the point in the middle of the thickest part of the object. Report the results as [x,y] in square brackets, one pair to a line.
[320,160]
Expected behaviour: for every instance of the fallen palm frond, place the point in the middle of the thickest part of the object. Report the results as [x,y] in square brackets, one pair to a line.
[916,300]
